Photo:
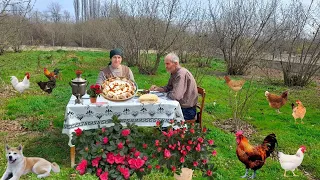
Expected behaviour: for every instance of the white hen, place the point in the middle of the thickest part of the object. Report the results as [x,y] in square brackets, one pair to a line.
[291,162]
[21,86]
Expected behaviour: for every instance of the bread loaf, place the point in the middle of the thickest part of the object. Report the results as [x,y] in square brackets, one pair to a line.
[148,98]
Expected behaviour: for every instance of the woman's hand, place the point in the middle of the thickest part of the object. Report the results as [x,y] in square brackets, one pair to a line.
[156,88]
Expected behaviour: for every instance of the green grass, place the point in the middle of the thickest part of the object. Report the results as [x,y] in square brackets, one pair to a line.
[35,109]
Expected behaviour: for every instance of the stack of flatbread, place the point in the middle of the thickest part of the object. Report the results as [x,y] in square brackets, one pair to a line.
[148,98]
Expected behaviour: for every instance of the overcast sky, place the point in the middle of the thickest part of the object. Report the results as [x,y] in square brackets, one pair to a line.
[41,5]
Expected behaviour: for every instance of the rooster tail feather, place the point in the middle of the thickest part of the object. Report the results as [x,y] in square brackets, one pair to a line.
[270,142]
[14,80]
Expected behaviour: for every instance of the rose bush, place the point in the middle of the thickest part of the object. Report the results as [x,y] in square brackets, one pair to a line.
[184,146]
[111,152]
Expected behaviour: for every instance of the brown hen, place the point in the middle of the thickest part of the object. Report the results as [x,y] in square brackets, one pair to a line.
[298,111]
[235,85]
[276,101]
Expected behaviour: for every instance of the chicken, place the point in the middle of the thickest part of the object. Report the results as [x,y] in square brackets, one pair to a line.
[253,157]
[291,162]
[51,75]
[235,85]
[47,86]
[298,111]
[21,86]
[276,101]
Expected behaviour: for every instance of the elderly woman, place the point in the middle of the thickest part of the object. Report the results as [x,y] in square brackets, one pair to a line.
[115,68]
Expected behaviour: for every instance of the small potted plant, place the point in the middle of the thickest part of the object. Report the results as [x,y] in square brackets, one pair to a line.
[94,91]
[115,152]
[183,149]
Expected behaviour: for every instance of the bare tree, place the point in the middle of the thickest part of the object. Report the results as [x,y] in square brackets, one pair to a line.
[298,49]
[54,10]
[240,28]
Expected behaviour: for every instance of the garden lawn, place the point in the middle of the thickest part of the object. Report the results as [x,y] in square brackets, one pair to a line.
[35,110]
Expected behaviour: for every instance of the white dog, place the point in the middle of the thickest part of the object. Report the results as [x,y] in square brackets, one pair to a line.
[19,165]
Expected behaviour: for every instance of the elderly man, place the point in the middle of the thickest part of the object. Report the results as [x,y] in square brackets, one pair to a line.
[181,86]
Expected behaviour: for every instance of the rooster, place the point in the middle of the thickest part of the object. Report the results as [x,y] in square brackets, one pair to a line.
[47,86]
[235,85]
[298,111]
[291,162]
[276,101]
[51,75]
[23,85]
[254,157]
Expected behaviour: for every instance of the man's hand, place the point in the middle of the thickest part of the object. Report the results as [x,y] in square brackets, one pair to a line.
[156,88]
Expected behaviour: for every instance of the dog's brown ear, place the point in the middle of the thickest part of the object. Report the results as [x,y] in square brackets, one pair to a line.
[7,147]
[19,147]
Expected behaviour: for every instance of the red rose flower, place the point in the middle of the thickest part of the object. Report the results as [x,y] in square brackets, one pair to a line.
[97,86]
[105,140]
[188,148]
[158,123]
[82,167]
[192,131]
[190,142]
[110,158]
[166,153]
[78,132]
[92,87]
[158,166]
[104,176]
[182,160]
[145,158]
[103,130]
[118,159]
[157,142]
[149,166]
[210,142]
[204,130]
[200,140]
[183,152]
[204,161]
[209,173]
[159,149]
[120,145]
[145,146]
[173,168]
[99,171]
[195,163]
[125,132]
[95,161]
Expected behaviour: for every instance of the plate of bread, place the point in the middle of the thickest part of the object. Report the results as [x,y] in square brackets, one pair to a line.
[118,89]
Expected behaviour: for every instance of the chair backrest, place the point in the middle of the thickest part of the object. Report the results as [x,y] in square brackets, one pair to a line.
[201,92]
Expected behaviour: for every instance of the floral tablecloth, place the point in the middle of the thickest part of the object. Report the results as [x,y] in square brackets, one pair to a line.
[97,115]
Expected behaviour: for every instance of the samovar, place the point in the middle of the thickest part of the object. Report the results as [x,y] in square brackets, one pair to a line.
[79,86]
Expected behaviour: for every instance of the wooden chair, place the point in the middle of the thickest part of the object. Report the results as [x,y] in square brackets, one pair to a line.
[200,106]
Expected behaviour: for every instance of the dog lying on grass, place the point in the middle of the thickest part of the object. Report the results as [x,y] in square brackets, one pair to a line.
[19,165]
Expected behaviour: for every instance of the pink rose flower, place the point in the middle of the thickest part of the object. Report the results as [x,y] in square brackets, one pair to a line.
[110,158]
[192,131]
[149,166]
[137,153]
[78,132]
[125,132]
[166,153]
[210,142]
[188,148]
[120,145]
[157,142]
[82,166]
[125,172]
[183,152]
[190,142]
[118,159]
[99,171]
[158,123]
[145,158]
[204,161]
[159,149]
[209,173]
[104,176]
[198,148]
[214,153]
[200,140]
[103,130]
[182,160]
[136,163]
[95,161]
[105,140]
